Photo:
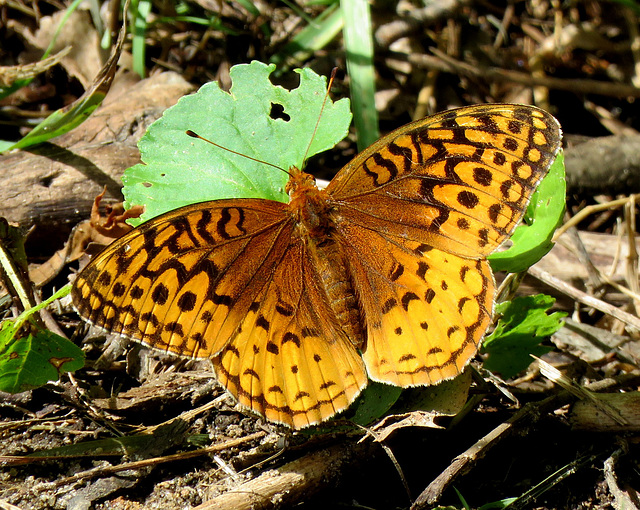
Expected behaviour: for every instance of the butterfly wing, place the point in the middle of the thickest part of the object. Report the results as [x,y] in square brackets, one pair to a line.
[458,181]
[425,310]
[227,277]
[417,214]
[292,362]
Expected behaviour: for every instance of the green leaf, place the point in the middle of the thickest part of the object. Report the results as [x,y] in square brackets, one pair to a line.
[532,240]
[179,170]
[32,361]
[374,402]
[497,505]
[523,324]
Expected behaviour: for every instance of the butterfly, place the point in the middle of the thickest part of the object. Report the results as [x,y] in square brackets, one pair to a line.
[381,276]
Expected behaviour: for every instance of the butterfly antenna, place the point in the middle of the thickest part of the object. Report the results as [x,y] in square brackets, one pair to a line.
[326,96]
[193,134]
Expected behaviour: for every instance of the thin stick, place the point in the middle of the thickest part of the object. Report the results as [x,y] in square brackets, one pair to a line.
[584,298]
[581,215]
[444,63]
[110,470]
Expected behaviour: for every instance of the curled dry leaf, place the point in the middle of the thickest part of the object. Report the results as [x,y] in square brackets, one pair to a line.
[99,229]
[113,225]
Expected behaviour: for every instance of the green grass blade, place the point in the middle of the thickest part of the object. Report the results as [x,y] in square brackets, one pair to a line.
[312,38]
[358,40]
[140,10]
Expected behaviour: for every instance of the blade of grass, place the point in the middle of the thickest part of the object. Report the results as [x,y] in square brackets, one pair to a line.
[65,119]
[140,10]
[311,38]
[358,41]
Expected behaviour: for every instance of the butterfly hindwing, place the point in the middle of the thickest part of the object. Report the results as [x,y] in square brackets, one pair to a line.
[289,360]
[425,310]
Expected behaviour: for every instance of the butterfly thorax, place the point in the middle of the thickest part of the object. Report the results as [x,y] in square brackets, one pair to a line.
[311,211]
[308,205]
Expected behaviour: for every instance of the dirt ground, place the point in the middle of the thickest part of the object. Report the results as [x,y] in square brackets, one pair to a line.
[138,429]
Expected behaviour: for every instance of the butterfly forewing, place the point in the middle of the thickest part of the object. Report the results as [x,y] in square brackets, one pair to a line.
[183,281]
[458,181]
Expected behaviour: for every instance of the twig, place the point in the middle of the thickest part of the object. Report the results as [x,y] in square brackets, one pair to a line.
[462,464]
[444,63]
[583,213]
[625,496]
[110,470]
[294,482]
[584,298]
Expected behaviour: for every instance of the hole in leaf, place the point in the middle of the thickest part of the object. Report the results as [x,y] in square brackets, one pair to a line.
[277,112]
[147,184]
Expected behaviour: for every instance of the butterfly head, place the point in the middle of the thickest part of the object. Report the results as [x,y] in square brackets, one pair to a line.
[299,183]
[308,205]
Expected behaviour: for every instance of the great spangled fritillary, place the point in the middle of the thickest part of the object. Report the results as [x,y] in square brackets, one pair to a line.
[382,275]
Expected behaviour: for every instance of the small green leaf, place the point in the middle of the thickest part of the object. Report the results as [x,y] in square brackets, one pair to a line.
[523,324]
[32,361]
[497,505]
[532,240]
[374,402]
[179,170]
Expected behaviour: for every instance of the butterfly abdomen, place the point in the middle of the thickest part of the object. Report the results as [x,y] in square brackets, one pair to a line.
[311,210]
[333,268]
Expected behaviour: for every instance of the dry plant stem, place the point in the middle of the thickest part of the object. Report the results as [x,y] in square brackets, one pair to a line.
[462,464]
[578,247]
[584,298]
[8,506]
[632,258]
[624,497]
[110,470]
[446,64]
[591,209]
[293,482]
[596,277]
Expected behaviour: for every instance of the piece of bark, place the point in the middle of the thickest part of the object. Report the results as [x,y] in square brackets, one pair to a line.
[52,186]
[294,482]
[610,164]
[585,415]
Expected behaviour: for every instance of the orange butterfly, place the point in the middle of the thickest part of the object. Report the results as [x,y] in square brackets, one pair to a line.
[382,275]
